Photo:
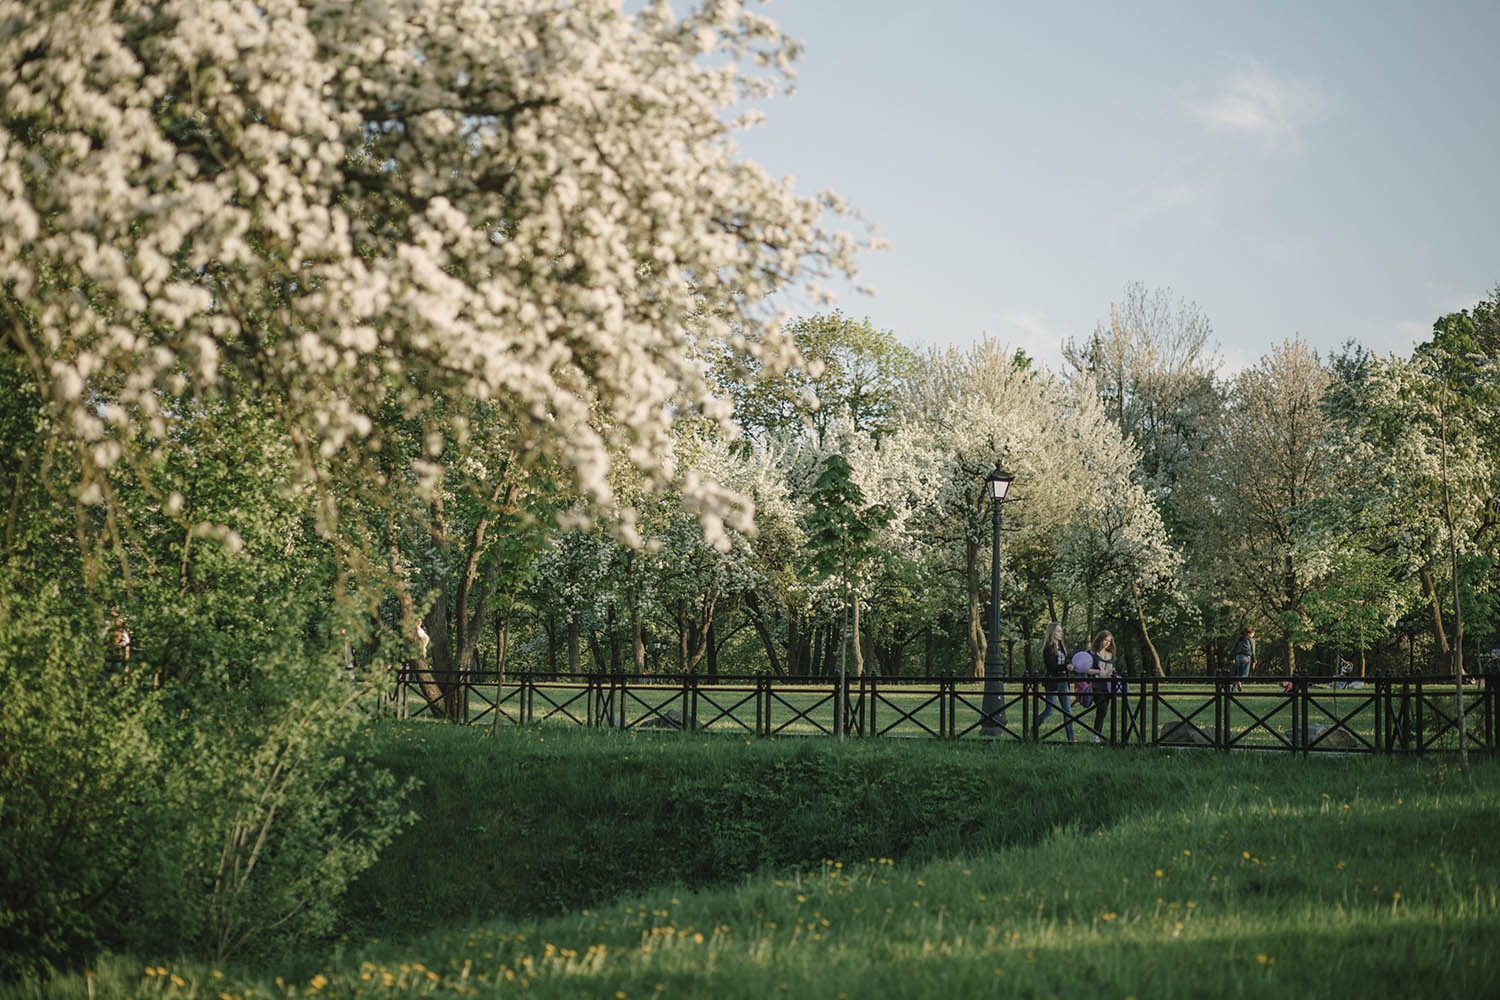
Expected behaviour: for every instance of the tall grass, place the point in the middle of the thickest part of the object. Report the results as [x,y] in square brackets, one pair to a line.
[602,864]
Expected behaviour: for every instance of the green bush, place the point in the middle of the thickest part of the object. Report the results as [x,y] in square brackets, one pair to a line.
[204,797]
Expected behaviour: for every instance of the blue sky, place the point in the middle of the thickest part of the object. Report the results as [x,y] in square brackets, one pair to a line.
[1324,169]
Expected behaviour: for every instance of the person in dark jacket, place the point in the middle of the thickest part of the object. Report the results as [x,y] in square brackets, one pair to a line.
[1055,666]
[1244,656]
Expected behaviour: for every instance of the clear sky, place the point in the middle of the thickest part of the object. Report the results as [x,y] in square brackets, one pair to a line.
[1324,169]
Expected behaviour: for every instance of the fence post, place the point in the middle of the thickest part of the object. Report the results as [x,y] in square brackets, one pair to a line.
[1155,709]
[1301,711]
[762,706]
[1421,719]
[1222,688]
[1026,712]
[867,706]
[689,702]
[1489,710]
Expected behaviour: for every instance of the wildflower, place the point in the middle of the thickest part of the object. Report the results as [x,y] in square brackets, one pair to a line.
[318,982]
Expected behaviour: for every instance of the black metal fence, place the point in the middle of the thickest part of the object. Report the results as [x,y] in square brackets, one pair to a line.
[1307,714]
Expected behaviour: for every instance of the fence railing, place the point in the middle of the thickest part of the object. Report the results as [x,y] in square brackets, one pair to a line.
[1307,714]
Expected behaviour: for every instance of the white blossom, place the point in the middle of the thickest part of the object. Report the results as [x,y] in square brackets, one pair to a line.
[367,204]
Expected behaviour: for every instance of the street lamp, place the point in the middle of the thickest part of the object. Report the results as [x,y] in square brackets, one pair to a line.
[997,485]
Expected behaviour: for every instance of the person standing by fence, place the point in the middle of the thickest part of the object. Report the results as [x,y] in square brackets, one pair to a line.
[1055,666]
[1244,656]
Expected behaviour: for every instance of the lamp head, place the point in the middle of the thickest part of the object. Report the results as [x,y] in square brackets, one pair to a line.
[997,483]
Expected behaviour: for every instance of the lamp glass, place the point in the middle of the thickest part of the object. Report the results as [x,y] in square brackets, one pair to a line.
[998,483]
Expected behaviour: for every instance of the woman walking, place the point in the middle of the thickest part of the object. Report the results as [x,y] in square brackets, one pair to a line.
[1055,666]
[1097,662]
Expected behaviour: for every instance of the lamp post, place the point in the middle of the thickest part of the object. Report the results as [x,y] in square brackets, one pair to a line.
[996,485]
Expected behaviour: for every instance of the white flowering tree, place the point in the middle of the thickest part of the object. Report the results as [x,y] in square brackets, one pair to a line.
[375,220]
[971,408]
[352,204]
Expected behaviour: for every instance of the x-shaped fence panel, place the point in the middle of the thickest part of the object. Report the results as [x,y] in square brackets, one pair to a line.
[1304,714]
[799,713]
[912,706]
[724,706]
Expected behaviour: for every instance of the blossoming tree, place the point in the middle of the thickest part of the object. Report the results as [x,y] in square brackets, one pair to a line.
[346,205]
[372,220]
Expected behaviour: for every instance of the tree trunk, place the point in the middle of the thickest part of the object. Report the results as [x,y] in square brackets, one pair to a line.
[595,651]
[763,629]
[698,635]
[1140,613]
[573,645]
[1026,644]
[1458,613]
[637,640]
[859,654]
[713,651]
[441,669]
[977,640]
[1439,631]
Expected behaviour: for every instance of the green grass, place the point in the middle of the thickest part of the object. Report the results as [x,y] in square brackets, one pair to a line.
[598,864]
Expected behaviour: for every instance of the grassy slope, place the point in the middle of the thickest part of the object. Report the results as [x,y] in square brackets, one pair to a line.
[595,864]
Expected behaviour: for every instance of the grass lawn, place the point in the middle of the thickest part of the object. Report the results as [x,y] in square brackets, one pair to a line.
[565,862]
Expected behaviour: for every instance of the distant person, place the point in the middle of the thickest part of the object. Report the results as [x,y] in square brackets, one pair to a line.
[117,644]
[1055,667]
[1244,656]
[1346,678]
[1098,664]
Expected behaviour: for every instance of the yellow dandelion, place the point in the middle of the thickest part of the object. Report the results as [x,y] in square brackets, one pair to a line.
[1261,958]
[1158,873]
[318,982]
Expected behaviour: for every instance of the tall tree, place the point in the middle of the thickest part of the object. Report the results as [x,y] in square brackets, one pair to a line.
[1270,466]
[850,371]
[341,212]
[1152,365]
